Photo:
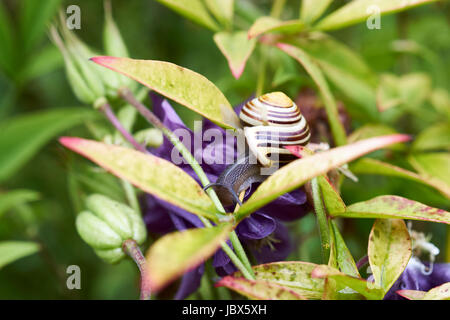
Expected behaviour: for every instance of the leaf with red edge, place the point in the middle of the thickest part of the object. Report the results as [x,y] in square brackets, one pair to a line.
[394,207]
[411,294]
[176,253]
[182,85]
[296,173]
[237,48]
[147,172]
[259,289]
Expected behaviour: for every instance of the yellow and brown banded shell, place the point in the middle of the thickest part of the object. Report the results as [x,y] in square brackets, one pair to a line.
[271,122]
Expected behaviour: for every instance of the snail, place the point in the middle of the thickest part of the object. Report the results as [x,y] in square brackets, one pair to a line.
[271,122]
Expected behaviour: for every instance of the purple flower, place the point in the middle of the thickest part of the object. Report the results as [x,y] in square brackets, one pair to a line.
[262,232]
[419,276]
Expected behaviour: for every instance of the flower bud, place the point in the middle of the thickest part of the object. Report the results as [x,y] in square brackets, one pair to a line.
[108,223]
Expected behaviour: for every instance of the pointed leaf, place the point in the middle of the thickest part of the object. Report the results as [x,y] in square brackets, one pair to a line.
[178,252]
[374,130]
[24,135]
[343,256]
[10,199]
[179,84]
[376,167]
[313,9]
[395,207]
[389,251]
[147,172]
[299,171]
[237,48]
[295,275]
[358,11]
[368,289]
[268,24]
[441,292]
[259,289]
[11,251]
[331,198]
[193,10]
[316,74]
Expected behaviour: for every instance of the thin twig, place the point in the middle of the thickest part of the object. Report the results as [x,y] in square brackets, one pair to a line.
[131,248]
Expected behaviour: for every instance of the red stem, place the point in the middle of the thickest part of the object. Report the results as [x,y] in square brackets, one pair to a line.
[131,248]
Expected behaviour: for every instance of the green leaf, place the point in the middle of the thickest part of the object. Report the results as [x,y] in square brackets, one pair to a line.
[376,167]
[395,207]
[24,135]
[147,172]
[433,165]
[45,61]
[11,251]
[35,17]
[295,275]
[331,198]
[175,253]
[237,48]
[193,10]
[344,258]
[222,10]
[179,84]
[268,24]
[436,137]
[311,10]
[259,289]
[7,41]
[296,173]
[389,251]
[358,10]
[330,104]
[10,199]
[368,289]
[441,292]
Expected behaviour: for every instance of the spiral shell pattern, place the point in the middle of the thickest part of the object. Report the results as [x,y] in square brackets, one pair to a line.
[271,122]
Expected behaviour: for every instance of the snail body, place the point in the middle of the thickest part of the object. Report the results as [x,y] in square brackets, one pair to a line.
[271,122]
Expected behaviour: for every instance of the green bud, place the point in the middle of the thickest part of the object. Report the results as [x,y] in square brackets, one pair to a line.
[107,224]
[81,90]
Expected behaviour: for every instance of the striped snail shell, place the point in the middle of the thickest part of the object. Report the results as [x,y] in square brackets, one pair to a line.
[271,122]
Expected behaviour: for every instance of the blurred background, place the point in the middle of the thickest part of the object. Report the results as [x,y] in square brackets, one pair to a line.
[42,174]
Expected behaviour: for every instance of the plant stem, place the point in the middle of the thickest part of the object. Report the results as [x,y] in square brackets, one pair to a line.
[109,113]
[130,193]
[322,219]
[277,8]
[131,248]
[362,262]
[152,119]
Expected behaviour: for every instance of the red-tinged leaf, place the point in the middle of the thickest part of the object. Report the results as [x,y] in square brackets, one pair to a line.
[177,252]
[147,172]
[441,292]
[182,85]
[411,294]
[237,48]
[259,289]
[299,171]
[368,289]
[389,251]
[377,167]
[295,275]
[395,207]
